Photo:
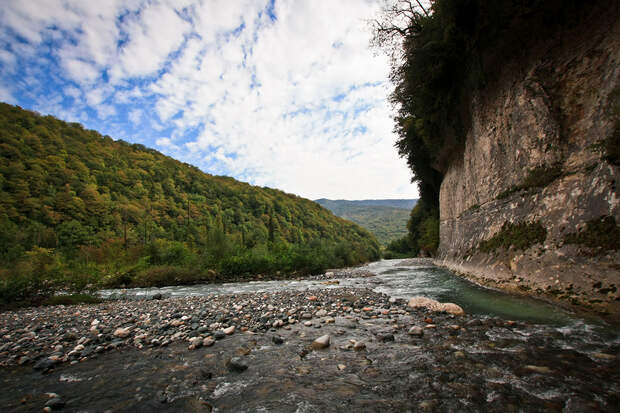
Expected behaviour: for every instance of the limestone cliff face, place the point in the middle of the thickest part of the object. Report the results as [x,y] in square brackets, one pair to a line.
[548,112]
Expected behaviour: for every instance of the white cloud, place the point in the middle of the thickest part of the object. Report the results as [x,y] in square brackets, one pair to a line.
[297,103]
[7,59]
[135,117]
[81,71]
[6,95]
[166,143]
[153,34]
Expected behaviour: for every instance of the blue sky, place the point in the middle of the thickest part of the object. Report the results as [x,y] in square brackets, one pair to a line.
[285,94]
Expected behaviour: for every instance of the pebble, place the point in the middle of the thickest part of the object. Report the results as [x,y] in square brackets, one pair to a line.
[359,346]
[416,331]
[277,340]
[229,330]
[321,342]
[55,404]
[195,342]
[385,337]
[308,323]
[121,332]
[208,341]
[237,364]
[604,356]
[539,369]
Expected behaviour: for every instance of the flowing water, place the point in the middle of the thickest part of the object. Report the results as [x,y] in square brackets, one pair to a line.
[407,278]
[507,354]
[395,278]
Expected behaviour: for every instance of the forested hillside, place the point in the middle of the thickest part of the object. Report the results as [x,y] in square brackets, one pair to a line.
[75,204]
[385,218]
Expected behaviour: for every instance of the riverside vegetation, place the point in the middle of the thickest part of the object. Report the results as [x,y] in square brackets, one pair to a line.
[81,211]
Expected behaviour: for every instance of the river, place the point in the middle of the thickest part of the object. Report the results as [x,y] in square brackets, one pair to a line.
[507,354]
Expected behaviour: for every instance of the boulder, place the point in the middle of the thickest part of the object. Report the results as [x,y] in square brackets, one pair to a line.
[434,305]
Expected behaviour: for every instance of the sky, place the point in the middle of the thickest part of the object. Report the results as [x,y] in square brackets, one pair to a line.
[284,94]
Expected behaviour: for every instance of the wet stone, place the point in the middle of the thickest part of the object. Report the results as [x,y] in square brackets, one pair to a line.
[208,341]
[55,404]
[385,337]
[45,364]
[237,364]
[416,331]
[321,342]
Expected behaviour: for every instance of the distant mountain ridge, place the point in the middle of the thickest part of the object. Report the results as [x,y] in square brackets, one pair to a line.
[407,204]
[385,218]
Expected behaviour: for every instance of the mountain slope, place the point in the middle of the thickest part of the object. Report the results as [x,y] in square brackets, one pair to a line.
[70,190]
[385,218]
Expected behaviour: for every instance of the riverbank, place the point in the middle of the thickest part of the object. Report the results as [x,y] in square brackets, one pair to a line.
[252,352]
[500,277]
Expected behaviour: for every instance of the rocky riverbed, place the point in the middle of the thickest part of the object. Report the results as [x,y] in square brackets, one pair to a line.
[257,352]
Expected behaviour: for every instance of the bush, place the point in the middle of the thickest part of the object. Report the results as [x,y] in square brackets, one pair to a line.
[161,276]
[164,252]
[520,236]
[72,299]
[31,280]
[602,233]
[424,229]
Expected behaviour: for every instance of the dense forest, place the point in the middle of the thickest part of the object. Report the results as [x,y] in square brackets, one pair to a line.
[80,210]
[385,218]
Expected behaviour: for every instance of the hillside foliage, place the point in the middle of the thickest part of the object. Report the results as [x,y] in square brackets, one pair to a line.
[79,209]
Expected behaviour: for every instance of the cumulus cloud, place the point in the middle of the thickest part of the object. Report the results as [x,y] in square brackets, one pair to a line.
[283,94]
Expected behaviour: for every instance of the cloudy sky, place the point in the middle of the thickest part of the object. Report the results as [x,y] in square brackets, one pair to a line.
[285,94]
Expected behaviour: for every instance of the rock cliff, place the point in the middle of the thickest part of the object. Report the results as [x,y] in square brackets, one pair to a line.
[532,203]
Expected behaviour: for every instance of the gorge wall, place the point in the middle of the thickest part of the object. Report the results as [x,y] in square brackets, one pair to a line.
[530,204]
